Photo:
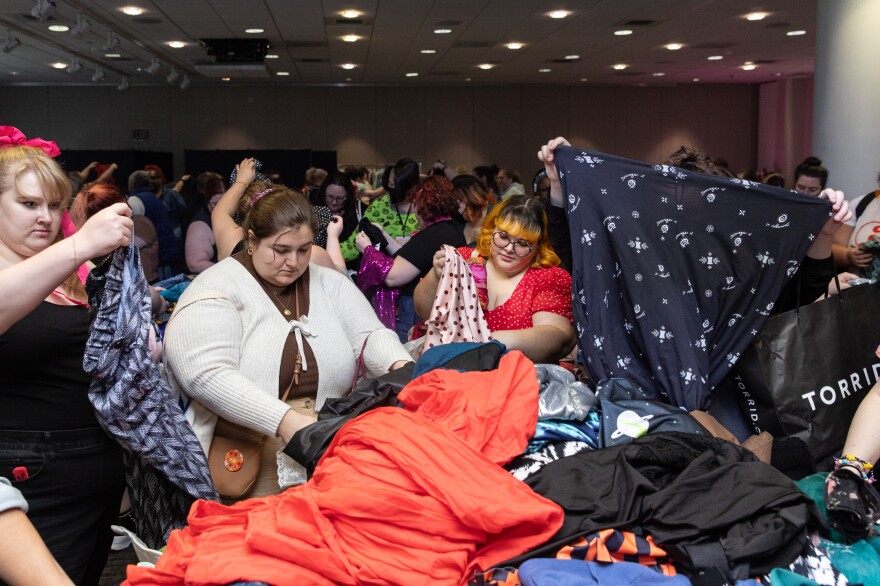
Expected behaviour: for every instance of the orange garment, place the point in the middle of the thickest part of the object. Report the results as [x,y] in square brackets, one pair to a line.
[400,495]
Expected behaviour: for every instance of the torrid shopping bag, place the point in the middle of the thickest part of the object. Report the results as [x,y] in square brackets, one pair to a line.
[806,371]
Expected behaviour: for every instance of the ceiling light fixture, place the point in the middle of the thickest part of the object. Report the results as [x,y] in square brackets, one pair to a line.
[176,44]
[572,57]
[172,76]
[124,84]
[796,33]
[442,31]
[349,14]
[111,43]
[757,15]
[715,57]
[58,65]
[132,10]
[351,38]
[112,55]
[282,73]
[658,74]
[185,82]
[412,74]
[43,9]
[254,31]
[583,79]
[98,75]
[82,25]
[619,66]
[545,70]
[485,66]
[154,66]
[696,79]
[674,46]
[271,56]
[623,32]
[348,65]
[558,14]
[74,66]
[514,46]
[59,28]
[428,51]
[225,79]
[749,67]
[11,42]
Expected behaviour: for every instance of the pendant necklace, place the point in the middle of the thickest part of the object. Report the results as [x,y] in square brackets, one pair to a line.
[287,312]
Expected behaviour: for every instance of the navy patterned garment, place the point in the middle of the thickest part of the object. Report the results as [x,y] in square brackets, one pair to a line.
[674,272]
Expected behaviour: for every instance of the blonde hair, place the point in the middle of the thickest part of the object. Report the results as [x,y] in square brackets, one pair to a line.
[18,160]
[521,217]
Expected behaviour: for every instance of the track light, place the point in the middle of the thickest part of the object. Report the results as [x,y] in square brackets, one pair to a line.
[82,25]
[111,42]
[172,77]
[74,66]
[98,75]
[185,83]
[154,66]
[123,84]
[11,42]
[43,9]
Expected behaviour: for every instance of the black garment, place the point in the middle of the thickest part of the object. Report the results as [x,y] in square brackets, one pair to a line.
[425,243]
[700,497]
[807,285]
[44,386]
[73,493]
[557,232]
[675,272]
[323,215]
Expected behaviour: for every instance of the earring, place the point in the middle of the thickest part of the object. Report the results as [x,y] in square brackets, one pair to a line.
[250,250]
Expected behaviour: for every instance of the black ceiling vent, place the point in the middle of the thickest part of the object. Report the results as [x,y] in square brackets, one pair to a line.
[312,60]
[236,50]
[306,45]
[146,20]
[473,44]
[713,45]
[639,22]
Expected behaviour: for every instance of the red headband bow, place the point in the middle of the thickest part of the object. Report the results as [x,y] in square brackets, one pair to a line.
[11,136]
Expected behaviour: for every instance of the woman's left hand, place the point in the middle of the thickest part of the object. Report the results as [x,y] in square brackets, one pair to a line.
[361,241]
[841,210]
[334,228]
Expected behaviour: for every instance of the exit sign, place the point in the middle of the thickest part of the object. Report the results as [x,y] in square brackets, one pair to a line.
[141,134]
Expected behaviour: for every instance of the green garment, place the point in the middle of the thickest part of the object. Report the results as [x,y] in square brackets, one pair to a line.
[383,213]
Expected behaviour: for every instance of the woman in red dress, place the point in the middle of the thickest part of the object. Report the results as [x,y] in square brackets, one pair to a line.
[525,296]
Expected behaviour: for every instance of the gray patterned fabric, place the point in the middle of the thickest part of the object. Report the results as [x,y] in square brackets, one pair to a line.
[166,469]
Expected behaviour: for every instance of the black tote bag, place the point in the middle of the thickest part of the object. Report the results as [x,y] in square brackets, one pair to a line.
[807,370]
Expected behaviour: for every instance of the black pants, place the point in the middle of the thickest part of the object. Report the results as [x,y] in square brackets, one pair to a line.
[73,489]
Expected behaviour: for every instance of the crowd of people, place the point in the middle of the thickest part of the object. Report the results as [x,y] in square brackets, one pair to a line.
[293,293]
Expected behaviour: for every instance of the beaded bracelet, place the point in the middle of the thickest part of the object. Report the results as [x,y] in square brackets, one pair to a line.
[866,468]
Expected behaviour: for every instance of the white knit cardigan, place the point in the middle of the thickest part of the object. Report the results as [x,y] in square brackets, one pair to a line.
[224,342]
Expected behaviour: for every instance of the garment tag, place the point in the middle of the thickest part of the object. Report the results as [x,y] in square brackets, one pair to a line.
[20,473]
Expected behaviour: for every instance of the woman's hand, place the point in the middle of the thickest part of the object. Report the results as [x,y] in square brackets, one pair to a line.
[361,241]
[547,156]
[104,232]
[857,257]
[439,262]
[291,423]
[245,171]
[841,210]
[334,228]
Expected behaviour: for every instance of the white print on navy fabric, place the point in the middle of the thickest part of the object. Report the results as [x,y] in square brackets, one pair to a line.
[580,329]
[606,298]
[638,277]
[765,259]
[661,272]
[662,335]
[604,191]
[664,200]
[609,223]
[745,183]
[665,301]
[742,212]
[597,341]
[711,193]
[668,170]
[638,311]
[701,343]
[574,204]
[682,238]
[591,161]
[690,289]
[664,226]
[637,245]
[628,327]
[781,222]
[737,237]
[767,311]
[623,362]
[583,297]
[630,424]
[688,376]
[679,207]
[617,271]
[710,228]
[709,261]
[635,215]
[733,319]
[707,293]
[732,358]
[729,285]
[588,237]
[792,268]
[630,179]
[706,327]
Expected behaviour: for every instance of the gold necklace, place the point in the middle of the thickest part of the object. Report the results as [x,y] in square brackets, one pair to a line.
[287,312]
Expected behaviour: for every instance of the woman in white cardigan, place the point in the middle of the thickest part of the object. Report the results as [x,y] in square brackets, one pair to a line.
[264,321]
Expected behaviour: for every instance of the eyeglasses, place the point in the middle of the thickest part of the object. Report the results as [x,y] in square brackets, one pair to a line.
[503,239]
[335,198]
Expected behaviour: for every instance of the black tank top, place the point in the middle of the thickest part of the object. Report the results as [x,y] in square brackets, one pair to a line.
[42,383]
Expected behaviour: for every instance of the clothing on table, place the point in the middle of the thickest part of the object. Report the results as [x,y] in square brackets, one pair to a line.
[581,573]
[350,525]
[539,289]
[226,338]
[613,546]
[166,469]
[674,271]
[382,212]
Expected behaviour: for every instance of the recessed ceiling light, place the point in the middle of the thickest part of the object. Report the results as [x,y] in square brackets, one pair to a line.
[674,46]
[583,79]
[757,15]
[349,13]
[442,31]
[283,73]
[796,33]
[254,31]
[112,55]
[132,10]
[485,66]
[467,79]
[514,46]
[348,66]
[623,32]
[696,79]
[620,66]
[778,74]
[428,51]
[13,73]
[412,74]
[545,70]
[351,38]
[749,67]
[658,74]
[715,57]
[59,65]
[347,79]
[224,79]
[59,28]
[271,56]
[558,14]
[176,44]
[572,57]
